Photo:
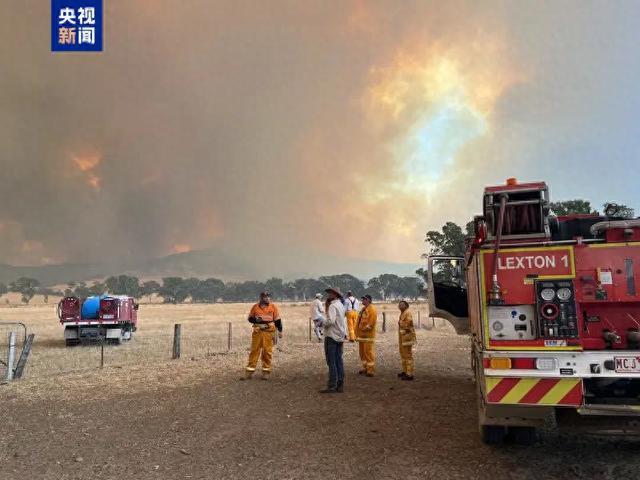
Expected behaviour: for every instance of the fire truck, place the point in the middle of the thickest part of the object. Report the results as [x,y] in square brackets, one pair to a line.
[108,318]
[552,307]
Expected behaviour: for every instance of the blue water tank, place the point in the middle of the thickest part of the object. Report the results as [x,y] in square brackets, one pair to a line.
[91,308]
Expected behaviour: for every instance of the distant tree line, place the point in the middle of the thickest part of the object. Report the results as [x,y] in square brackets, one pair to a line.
[179,290]
[27,288]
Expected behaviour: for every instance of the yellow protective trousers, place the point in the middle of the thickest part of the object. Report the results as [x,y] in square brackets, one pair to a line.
[261,347]
[368,356]
[352,319]
[406,354]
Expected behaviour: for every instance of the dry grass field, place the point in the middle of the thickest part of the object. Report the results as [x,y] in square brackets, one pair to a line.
[205,332]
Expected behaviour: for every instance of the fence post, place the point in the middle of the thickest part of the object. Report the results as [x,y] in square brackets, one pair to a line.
[419,322]
[24,356]
[230,337]
[384,322]
[310,329]
[102,353]
[176,341]
[11,356]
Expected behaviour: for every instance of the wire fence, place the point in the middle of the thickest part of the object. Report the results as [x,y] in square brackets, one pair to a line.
[200,336]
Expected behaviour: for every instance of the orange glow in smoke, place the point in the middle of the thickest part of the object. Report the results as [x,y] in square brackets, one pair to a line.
[181,248]
[94,181]
[87,164]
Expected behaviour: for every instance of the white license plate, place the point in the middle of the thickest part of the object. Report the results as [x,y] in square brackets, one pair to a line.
[627,364]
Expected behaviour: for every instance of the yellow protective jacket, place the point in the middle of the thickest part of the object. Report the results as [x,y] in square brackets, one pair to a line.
[406,330]
[366,327]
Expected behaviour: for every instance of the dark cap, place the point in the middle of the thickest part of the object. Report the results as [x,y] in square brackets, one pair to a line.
[368,297]
[265,294]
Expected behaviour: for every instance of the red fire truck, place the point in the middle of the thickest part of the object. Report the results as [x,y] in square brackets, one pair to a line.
[552,305]
[107,318]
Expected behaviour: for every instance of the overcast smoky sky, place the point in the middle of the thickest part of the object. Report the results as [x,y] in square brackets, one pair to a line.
[305,128]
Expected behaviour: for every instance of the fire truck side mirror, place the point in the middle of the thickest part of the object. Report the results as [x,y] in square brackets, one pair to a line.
[447,291]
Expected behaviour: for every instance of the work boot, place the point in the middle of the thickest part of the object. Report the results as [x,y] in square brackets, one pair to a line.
[362,372]
[247,376]
[370,375]
[401,375]
[340,388]
[407,377]
[329,390]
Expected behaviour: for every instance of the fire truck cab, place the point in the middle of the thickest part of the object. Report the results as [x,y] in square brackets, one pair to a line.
[552,307]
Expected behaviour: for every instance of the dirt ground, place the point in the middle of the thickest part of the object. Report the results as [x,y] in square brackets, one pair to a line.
[193,418]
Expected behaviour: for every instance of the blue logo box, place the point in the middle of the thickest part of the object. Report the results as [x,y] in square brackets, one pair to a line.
[76,25]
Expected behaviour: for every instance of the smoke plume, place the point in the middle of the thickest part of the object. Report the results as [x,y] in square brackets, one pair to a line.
[288,128]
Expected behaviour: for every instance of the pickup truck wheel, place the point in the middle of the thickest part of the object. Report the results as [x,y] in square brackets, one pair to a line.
[493,434]
[523,435]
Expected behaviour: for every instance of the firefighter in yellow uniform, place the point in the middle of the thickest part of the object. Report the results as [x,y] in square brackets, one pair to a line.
[351,309]
[265,318]
[406,340]
[366,336]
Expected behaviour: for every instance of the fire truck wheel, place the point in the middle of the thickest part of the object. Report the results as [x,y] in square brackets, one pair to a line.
[523,435]
[493,434]
[71,342]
